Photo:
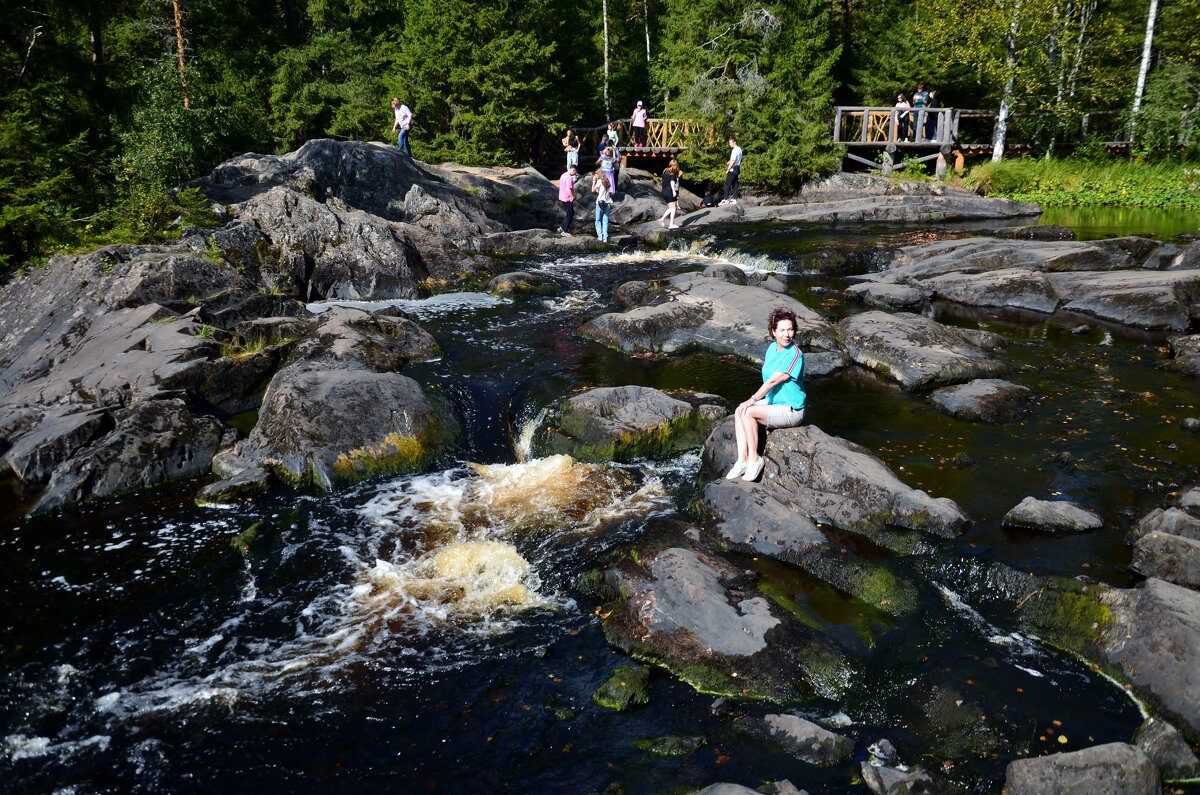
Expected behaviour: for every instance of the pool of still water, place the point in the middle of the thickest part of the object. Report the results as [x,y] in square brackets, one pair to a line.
[290,644]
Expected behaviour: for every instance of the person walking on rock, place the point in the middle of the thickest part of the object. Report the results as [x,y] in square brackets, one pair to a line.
[778,403]
[570,144]
[402,125]
[670,194]
[733,170]
[603,205]
[638,123]
[566,197]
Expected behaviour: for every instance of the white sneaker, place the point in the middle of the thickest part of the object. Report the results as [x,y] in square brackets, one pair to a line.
[754,470]
[564,233]
[736,471]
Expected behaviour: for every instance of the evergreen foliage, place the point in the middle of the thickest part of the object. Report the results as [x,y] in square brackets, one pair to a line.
[95,139]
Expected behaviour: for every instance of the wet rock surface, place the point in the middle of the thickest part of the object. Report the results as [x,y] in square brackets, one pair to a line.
[687,610]
[807,740]
[621,423]
[987,400]
[1169,557]
[1052,517]
[1113,769]
[1167,749]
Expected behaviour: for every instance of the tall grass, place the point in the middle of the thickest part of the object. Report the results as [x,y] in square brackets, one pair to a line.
[1088,183]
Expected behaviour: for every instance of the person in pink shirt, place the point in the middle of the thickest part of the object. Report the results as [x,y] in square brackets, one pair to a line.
[566,197]
[639,125]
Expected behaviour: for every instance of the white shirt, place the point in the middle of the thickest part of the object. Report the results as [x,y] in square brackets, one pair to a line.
[403,116]
[735,157]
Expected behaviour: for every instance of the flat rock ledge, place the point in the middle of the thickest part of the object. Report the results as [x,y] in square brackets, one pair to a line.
[1169,557]
[989,400]
[693,311]
[1052,517]
[918,352]
[1113,769]
[1131,281]
[626,422]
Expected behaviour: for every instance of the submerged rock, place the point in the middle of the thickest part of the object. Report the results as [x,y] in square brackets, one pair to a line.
[1035,232]
[524,282]
[627,687]
[918,352]
[620,423]
[671,745]
[989,400]
[1052,517]
[1113,769]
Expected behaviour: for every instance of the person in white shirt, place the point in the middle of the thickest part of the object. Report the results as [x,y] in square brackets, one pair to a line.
[402,125]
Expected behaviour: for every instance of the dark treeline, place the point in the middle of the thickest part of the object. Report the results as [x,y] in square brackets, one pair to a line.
[107,105]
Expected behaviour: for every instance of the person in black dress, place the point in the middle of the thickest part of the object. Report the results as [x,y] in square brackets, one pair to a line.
[670,194]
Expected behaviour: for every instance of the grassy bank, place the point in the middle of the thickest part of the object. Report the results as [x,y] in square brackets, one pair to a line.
[1089,183]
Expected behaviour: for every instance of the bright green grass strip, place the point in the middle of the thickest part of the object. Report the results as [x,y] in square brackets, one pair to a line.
[1088,183]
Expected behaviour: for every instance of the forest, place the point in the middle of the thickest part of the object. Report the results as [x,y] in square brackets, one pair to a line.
[107,106]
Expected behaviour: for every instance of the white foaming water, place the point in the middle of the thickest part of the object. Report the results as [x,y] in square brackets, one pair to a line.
[681,253]
[419,307]
[524,443]
[435,566]
[19,746]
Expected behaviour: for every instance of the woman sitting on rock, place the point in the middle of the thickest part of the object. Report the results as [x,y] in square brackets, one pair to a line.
[778,403]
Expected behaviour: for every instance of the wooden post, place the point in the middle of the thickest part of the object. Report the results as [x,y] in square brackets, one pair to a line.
[866,122]
[889,156]
[837,127]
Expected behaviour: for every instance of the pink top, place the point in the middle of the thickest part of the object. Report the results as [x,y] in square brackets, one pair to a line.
[639,117]
[566,187]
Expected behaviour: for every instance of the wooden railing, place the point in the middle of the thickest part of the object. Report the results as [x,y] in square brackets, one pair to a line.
[663,137]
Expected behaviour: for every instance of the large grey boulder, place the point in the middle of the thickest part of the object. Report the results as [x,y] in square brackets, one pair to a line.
[806,740]
[1058,516]
[620,423]
[341,412]
[814,478]
[1167,749]
[893,781]
[695,311]
[1113,769]
[153,442]
[1017,288]
[885,295]
[989,400]
[1169,557]
[918,352]
[1140,298]
[1173,521]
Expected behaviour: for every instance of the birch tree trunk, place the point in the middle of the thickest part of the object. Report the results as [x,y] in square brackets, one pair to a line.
[646,23]
[179,44]
[607,108]
[1147,43]
[1010,70]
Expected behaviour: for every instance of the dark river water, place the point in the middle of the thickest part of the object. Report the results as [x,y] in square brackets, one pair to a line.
[291,644]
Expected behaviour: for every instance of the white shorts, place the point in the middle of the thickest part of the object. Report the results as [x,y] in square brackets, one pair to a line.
[781,415]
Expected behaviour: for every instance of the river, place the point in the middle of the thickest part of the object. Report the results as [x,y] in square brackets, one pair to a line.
[303,643]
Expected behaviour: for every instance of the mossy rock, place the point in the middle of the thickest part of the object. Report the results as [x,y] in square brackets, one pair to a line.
[671,745]
[627,687]
[628,422]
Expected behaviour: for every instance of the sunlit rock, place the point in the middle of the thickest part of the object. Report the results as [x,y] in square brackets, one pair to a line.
[1116,768]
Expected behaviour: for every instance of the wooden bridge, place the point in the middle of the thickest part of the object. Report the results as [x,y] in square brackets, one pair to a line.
[935,134]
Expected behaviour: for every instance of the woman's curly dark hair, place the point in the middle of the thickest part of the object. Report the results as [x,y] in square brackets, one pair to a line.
[781,313]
